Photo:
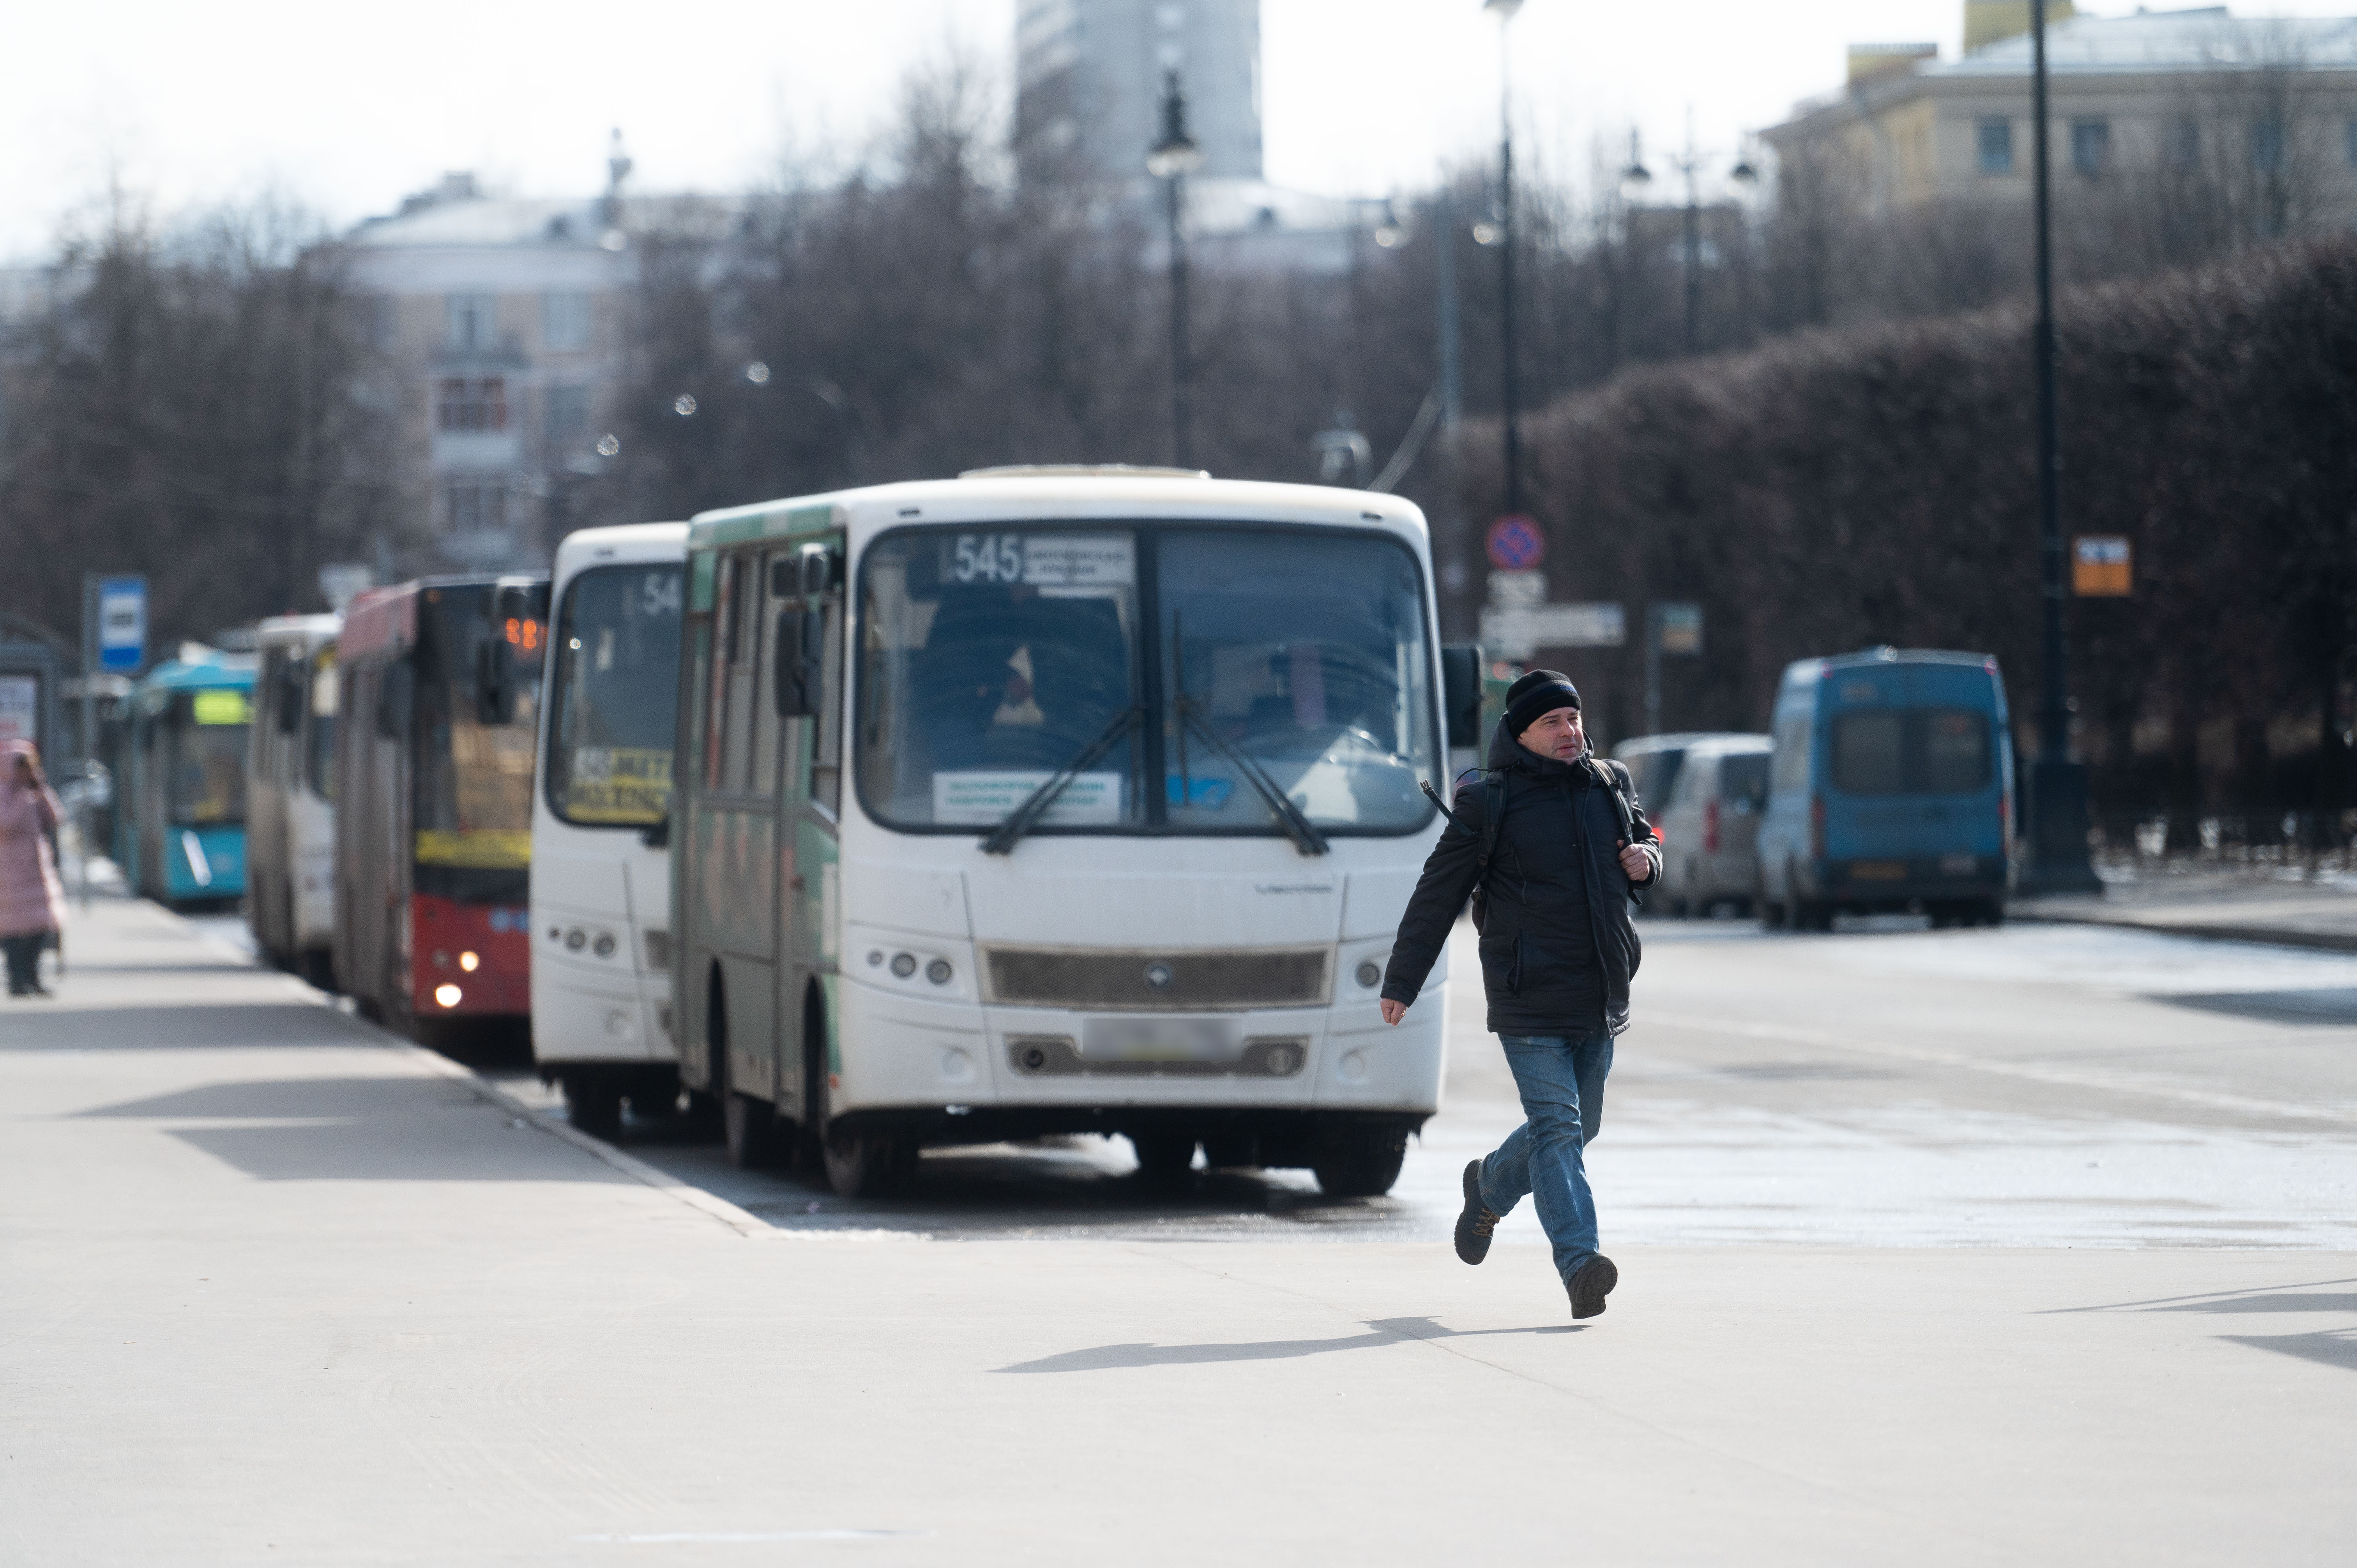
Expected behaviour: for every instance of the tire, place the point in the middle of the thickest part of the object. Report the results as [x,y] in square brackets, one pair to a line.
[1163,1156]
[1813,914]
[748,1130]
[1772,914]
[1992,912]
[1361,1162]
[592,1103]
[867,1164]
[745,1123]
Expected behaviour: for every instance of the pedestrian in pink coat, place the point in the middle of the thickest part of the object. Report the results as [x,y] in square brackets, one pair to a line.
[32,903]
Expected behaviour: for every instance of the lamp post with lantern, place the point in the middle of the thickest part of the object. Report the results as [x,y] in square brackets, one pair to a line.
[1171,160]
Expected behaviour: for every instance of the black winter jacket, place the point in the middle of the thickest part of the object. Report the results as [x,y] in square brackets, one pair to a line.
[1558,948]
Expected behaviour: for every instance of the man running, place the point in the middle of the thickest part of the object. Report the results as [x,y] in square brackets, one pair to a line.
[1557,954]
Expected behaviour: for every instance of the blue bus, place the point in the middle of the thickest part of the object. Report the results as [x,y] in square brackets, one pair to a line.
[1891,790]
[180,821]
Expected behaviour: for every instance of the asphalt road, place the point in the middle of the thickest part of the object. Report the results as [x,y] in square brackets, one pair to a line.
[2032,1245]
[1886,1086]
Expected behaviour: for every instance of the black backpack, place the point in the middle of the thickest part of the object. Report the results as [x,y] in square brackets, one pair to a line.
[1493,816]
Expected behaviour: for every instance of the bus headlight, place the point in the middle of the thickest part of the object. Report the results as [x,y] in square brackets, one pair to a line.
[904,965]
[604,946]
[469,961]
[938,972]
[448,996]
[1370,974]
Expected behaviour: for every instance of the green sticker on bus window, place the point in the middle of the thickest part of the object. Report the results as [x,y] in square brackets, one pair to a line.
[223,708]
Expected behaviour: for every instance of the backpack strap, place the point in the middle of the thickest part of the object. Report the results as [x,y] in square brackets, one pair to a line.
[1493,817]
[1617,775]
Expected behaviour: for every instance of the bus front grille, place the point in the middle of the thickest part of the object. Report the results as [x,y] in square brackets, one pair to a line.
[1054,1056]
[1179,982]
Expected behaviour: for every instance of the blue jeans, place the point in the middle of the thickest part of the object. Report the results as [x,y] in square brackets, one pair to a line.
[1561,1079]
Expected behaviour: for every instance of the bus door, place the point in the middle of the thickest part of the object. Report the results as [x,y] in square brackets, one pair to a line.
[804,682]
[732,833]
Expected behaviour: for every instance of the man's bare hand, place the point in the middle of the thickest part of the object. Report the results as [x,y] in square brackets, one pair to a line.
[1393,1011]
[1633,861]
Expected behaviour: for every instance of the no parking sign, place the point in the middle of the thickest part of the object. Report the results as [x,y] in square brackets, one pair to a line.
[1515,543]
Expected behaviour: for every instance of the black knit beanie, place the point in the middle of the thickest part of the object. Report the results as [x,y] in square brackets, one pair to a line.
[1539,692]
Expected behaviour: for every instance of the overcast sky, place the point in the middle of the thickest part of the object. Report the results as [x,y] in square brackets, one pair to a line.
[346,107]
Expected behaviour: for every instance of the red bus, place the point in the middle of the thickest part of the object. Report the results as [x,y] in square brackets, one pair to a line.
[441,678]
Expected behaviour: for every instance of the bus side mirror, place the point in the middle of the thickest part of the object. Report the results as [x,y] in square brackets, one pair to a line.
[794,678]
[495,681]
[397,695]
[1460,692]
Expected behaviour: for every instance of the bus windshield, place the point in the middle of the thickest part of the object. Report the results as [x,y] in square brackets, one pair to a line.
[474,779]
[616,693]
[1295,660]
[205,778]
[321,766]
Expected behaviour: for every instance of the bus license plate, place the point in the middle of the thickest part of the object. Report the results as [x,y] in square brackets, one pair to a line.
[1148,1039]
[1878,871]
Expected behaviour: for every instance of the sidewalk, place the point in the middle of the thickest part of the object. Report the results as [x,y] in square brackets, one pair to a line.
[277,1287]
[2276,906]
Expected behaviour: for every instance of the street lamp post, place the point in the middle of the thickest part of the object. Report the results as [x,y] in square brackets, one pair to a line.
[1505,242]
[2058,802]
[1171,160]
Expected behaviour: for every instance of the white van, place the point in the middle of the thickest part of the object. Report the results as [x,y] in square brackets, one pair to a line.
[601,1023]
[290,795]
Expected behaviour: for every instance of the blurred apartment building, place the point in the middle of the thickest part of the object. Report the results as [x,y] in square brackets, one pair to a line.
[2176,92]
[1090,76]
[500,322]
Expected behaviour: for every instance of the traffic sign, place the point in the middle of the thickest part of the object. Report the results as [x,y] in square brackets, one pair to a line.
[122,623]
[1519,632]
[2101,566]
[1515,543]
[1678,628]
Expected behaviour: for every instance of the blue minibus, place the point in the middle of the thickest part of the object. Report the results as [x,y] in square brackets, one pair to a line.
[1891,790]
[179,825]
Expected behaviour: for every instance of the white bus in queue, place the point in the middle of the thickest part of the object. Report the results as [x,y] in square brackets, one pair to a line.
[601,1023]
[290,796]
[1054,801]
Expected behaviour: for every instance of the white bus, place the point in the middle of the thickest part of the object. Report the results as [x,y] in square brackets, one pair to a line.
[290,796]
[1054,801]
[601,1021]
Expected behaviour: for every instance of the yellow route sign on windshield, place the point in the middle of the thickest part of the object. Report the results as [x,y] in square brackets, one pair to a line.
[619,784]
[223,707]
[487,849]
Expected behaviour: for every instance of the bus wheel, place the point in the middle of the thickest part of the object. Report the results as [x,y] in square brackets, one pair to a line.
[593,1101]
[1361,1162]
[1772,915]
[1813,914]
[869,1164]
[748,1126]
[1992,912]
[1163,1156]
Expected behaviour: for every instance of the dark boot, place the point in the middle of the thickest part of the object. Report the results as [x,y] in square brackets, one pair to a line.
[1475,1223]
[1589,1286]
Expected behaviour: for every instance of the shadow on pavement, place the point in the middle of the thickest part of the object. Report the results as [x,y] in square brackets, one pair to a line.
[2329,1346]
[2330,1005]
[1383,1331]
[177,1026]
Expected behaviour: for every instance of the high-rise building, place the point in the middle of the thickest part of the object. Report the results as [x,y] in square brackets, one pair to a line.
[1090,75]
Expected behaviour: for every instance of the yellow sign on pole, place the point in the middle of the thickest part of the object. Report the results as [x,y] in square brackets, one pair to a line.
[2100,567]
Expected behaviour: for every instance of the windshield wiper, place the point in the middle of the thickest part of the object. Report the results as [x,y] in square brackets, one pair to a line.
[1018,821]
[1296,825]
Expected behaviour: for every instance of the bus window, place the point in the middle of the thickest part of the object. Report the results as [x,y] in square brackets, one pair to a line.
[206,757]
[716,705]
[1869,753]
[1308,656]
[1794,736]
[764,673]
[321,766]
[990,661]
[609,751]
[1955,751]
[826,751]
[738,729]
[474,780]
